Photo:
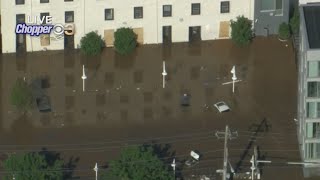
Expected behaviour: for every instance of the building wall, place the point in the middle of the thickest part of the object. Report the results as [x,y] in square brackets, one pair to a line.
[306,55]
[308,1]
[32,8]
[91,18]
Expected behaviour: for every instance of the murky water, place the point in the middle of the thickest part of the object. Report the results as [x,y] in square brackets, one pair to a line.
[124,96]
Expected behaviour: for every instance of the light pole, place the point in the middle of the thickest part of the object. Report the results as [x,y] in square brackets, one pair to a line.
[174,167]
[164,73]
[84,77]
[96,170]
[234,77]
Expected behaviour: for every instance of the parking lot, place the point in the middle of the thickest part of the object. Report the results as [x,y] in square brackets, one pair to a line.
[124,103]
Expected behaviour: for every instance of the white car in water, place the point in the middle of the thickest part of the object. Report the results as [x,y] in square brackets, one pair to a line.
[222,107]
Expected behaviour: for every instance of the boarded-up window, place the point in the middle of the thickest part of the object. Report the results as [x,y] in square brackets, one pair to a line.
[45,39]
[224,29]
[139,33]
[109,37]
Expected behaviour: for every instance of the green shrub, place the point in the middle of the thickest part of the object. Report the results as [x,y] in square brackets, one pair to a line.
[21,95]
[241,31]
[284,31]
[295,21]
[91,44]
[125,41]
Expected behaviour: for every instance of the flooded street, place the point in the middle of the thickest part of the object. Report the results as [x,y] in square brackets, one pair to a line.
[124,104]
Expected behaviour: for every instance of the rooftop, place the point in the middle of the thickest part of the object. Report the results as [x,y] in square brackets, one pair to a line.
[311,15]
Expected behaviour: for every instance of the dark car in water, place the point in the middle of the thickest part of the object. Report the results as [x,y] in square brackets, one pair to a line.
[42,100]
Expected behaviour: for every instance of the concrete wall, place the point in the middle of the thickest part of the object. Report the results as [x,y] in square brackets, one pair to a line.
[269,19]
[32,8]
[92,18]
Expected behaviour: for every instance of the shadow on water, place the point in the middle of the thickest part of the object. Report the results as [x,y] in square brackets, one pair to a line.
[22,129]
[165,153]
[255,129]
[125,61]
[69,166]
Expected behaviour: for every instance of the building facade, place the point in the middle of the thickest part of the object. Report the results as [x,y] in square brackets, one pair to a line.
[309,86]
[153,21]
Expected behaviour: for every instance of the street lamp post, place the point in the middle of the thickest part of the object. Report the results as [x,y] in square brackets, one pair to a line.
[96,170]
[234,77]
[174,167]
[84,77]
[164,73]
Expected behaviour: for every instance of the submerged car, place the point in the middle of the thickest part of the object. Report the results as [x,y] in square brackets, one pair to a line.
[222,107]
[193,159]
[43,104]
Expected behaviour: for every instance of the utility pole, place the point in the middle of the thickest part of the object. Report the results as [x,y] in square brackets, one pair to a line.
[225,155]
[227,135]
[255,164]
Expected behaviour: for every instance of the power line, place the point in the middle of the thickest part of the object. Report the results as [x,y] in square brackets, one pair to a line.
[133,140]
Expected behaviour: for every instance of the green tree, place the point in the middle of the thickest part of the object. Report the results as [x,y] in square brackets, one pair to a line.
[284,31]
[125,41]
[241,31]
[295,21]
[91,44]
[32,166]
[137,163]
[21,95]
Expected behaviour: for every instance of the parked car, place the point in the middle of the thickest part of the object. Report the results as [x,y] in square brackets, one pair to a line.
[193,159]
[222,107]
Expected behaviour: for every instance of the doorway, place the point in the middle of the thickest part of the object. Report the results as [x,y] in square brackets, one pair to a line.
[166,34]
[68,42]
[194,33]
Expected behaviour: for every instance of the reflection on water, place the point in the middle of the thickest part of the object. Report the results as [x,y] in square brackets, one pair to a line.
[129,88]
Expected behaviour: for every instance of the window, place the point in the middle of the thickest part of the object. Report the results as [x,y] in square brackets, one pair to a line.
[195,9]
[19,2]
[167,11]
[314,69]
[44,1]
[138,13]
[108,14]
[313,89]
[43,16]
[313,109]
[271,5]
[69,16]
[225,7]
[278,4]
[312,150]
[313,130]
[20,18]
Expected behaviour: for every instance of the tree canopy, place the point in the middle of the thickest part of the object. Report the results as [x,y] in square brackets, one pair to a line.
[32,166]
[241,31]
[91,44]
[136,163]
[21,95]
[125,41]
